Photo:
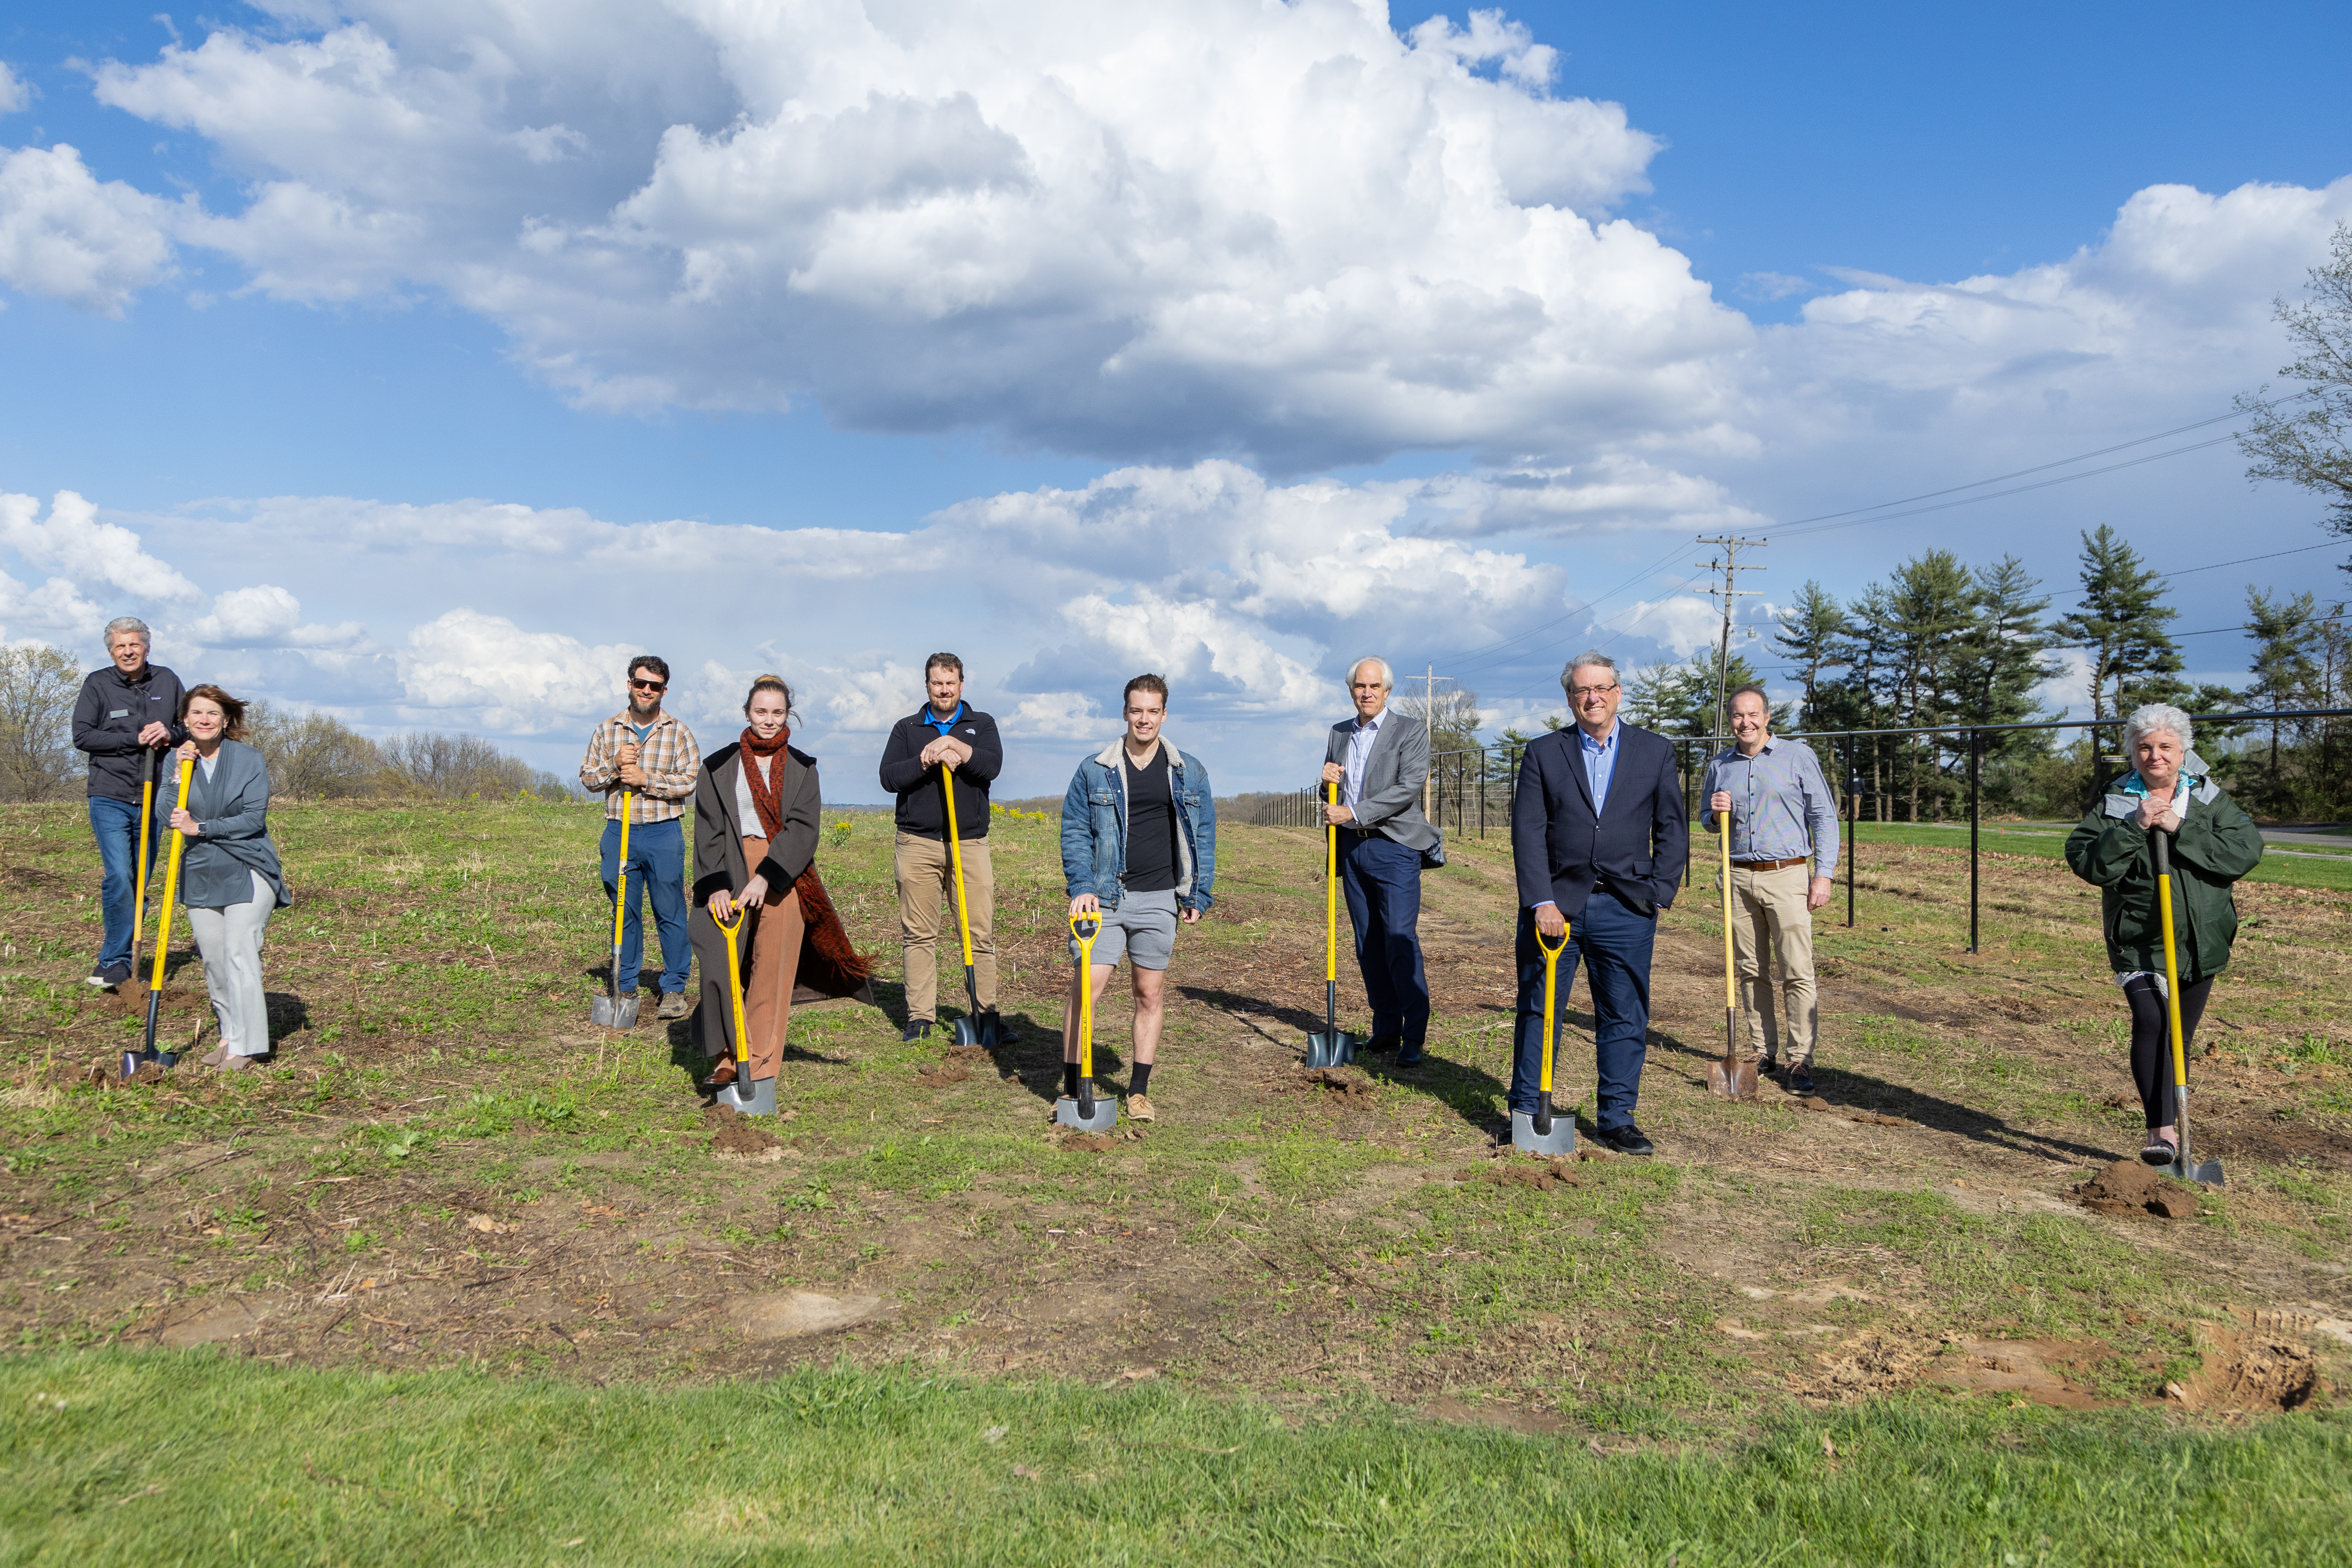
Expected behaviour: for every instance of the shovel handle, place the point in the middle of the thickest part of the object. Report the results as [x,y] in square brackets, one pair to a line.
[1551,980]
[955,857]
[1331,890]
[620,890]
[1086,940]
[735,989]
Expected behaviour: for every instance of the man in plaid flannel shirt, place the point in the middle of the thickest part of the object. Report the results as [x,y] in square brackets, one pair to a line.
[651,755]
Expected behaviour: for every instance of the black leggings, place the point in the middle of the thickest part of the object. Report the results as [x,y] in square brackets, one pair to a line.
[2151,1050]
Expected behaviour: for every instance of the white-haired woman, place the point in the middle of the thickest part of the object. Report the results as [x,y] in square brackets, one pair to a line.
[2214,843]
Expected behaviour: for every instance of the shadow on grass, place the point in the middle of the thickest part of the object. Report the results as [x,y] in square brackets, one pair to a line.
[1844,1087]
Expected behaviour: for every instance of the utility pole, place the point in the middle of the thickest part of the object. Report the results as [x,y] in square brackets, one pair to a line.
[1730,567]
[1428,721]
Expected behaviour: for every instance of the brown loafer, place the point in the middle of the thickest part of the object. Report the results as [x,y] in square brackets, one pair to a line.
[722,1075]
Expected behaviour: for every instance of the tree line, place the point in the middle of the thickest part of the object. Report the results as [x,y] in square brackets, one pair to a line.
[311,756]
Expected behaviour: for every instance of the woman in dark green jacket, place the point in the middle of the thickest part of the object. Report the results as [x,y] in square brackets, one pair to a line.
[2213,843]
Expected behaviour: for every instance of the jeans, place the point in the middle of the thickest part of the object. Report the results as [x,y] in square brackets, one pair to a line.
[657,865]
[115,824]
[1618,942]
[1381,879]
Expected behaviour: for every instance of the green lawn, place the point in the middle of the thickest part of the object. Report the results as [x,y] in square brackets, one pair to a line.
[117,1457]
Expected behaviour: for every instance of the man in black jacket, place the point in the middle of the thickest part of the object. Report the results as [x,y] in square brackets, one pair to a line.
[125,714]
[1599,840]
[946,732]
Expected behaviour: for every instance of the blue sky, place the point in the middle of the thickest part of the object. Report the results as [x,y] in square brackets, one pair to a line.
[435,392]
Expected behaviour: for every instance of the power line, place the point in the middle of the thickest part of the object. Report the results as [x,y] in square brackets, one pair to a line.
[2021,489]
[2298,550]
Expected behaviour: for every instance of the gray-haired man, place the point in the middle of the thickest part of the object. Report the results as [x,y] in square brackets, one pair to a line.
[1380,760]
[125,714]
[1783,817]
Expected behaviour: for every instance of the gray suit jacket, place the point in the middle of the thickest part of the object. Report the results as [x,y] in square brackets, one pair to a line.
[233,808]
[1393,776]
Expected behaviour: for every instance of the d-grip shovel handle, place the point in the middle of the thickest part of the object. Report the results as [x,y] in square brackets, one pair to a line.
[735,996]
[1551,978]
[2161,846]
[1086,940]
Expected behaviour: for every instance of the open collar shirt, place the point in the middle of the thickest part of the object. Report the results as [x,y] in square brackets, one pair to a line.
[669,756]
[1599,762]
[1360,752]
[1781,807]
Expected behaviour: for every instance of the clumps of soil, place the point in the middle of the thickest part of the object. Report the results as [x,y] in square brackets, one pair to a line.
[1339,1080]
[2248,1369]
[1870,1362]
[1062,1137]
[129,999]
[2128,1188]
[737,1137]
[965,1054]
[1543,1175]
[942,1074]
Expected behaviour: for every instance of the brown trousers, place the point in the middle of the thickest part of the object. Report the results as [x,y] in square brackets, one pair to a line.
[1767,911]
[927,911]
[772,941]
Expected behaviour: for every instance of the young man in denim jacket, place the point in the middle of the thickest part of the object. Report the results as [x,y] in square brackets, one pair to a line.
[1138,850]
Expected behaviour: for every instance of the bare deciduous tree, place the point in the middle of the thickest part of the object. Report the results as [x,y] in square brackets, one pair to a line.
[38,687]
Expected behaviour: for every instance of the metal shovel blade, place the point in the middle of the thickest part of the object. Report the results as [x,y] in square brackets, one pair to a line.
[1731,1080]
[1330,1047]
[759,1102]
[1105,1115]
[1561,1140]
[2207,1173]
[606,1013]
[968,1032]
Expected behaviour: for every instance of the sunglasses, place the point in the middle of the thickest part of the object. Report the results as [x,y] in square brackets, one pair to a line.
[650,685]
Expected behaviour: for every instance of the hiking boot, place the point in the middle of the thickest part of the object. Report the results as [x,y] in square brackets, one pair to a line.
[108,978]
[1139,1109]
[916,1029]
[673,1005]
[1799,1079]
[1380,1044]
[1408,1055]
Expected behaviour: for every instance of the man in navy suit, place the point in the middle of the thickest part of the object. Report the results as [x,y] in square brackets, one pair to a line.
[1599,840]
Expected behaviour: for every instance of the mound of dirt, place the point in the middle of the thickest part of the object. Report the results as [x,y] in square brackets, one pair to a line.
[2128,1188]
[129,999]
[941,1074]
[738,1137]
[1543,1175]
[1338,1079]
[2248,1369]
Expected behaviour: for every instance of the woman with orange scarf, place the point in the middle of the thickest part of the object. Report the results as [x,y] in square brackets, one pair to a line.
[756,809]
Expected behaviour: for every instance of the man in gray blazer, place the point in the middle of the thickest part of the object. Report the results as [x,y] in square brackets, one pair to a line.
[1380,760]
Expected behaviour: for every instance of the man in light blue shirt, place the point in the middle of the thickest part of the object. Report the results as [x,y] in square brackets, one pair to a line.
[1380,760]
[1784,846]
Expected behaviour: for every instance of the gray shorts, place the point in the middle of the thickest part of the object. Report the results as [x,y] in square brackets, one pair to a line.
[1143,928]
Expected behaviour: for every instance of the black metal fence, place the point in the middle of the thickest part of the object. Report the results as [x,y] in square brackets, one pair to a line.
[1469,790]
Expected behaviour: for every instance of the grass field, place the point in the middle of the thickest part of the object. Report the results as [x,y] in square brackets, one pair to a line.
[464,1277]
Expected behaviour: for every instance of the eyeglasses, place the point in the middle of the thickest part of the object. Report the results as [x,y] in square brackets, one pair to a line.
[649,685]
[1581,692]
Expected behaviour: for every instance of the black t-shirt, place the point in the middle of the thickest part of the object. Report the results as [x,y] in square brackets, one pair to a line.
[1150,825]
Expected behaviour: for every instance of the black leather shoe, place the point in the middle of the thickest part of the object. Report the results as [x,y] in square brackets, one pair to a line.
[1799,1082]
[1380,1045]
[1409,1056]
[1627,1139]
[916,1029]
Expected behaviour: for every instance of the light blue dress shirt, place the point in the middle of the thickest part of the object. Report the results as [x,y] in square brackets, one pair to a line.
[1600,763]
[1360,751]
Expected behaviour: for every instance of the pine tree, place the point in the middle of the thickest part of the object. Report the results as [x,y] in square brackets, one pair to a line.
[2285,674]
[1811,638]
[2120,623]
[1932,602]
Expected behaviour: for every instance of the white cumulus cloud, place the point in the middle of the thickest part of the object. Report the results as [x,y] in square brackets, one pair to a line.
[484,671]
[73,540]
[1124,228]
[64,236]
[15,93]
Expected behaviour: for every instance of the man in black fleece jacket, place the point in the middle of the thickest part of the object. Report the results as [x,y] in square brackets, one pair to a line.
[946,732]
[125,714]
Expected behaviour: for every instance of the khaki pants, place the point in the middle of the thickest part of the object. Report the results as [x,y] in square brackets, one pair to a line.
[927,904]
[1768,908]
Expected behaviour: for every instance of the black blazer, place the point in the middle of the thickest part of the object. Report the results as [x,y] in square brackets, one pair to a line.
[1562,850]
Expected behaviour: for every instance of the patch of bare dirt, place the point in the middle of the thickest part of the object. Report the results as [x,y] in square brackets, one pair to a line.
[941,1074]
[1339,1081]
[1543,1175]
[735,1134]
[793,1314]
[1871,1362]
[1506,1417]
[2128,1188]
[2028,1369]
[2248,1369]
[1868,1117]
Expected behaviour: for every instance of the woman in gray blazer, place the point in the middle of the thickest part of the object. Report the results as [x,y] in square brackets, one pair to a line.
[229,876]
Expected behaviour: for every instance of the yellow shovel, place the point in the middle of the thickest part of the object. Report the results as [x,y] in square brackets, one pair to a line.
[146,841]
[2182,1167]
[1730,1078]
[618,1012]
[1330,1049]
[133,1061]
[1541,1133]
[1085,1114]
[974,1028]
[748,1099]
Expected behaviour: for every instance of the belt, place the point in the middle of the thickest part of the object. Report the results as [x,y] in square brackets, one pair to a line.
[1769,865]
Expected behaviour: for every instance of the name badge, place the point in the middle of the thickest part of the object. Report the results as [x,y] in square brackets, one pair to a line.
[120,713]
